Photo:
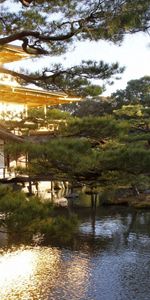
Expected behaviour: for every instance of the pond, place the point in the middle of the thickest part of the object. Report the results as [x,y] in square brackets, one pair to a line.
[109,260]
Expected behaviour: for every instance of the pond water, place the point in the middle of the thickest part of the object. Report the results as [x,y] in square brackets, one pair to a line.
[109,260]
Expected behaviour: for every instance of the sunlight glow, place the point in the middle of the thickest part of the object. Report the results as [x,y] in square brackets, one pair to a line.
[22,271]
[11,109]
[14,265]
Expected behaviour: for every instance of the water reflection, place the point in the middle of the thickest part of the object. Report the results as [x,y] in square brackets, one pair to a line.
[23,272]
[48,191]
[110,260]
[42,273]
[15,270]
[103,228]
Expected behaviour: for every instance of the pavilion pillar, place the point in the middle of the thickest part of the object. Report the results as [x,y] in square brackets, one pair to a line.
[45,110]
[26,110]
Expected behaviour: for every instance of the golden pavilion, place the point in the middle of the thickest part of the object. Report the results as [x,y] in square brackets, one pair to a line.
[14,96]
[15,100]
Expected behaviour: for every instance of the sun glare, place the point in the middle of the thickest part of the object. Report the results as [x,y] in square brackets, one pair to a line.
[15,267]
[28,273]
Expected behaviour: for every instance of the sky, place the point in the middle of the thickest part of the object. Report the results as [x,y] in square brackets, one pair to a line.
[134,54]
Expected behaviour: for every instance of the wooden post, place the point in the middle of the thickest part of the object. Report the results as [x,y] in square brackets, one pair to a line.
[30,187]
[26,111]
[3,173]
[45,111]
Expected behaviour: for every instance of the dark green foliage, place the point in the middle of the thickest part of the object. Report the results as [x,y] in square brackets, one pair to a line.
[19,210]
[89,107]
[60,229]
[73,157]
[83,149]
[56,114]
[30,216]
[97,127]
[128,159]
[136,92]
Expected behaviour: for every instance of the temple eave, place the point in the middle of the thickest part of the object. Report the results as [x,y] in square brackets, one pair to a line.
[32,97]
[12,92]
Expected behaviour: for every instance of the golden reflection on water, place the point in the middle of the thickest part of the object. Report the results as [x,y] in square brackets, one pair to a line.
[22,273]
[42,273]
[77,278]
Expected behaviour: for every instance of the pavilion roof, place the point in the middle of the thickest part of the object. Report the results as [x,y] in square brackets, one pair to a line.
[11,53]
[11,93]
[33,97]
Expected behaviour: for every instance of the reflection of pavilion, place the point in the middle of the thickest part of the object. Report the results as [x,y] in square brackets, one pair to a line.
[15,98]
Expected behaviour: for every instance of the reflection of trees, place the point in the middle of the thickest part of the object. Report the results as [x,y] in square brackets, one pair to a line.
[139,223]
[130,222]
[108,229]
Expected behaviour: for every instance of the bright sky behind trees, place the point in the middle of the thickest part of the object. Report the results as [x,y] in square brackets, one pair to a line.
[134,54]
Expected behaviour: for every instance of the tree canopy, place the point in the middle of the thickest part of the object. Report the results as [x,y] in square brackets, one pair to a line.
[101,148]
[110,149]
[136,92]
[53,27]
